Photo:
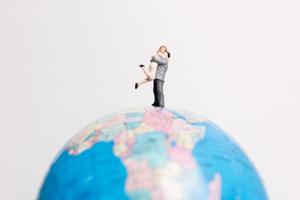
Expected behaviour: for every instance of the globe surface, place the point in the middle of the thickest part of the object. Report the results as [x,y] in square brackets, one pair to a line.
[152,153]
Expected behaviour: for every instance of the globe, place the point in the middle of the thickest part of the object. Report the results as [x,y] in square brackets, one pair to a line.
[154,153]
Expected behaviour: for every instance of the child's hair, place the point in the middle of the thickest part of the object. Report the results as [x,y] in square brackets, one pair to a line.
[162,46]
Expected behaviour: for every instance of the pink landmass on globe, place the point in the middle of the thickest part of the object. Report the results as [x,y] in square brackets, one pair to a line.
[214,188]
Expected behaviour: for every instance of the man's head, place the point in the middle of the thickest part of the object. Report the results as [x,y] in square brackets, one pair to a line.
[168,54]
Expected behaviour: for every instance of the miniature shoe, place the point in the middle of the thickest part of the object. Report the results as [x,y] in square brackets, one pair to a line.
[136,85]
[158,105]
[141,65]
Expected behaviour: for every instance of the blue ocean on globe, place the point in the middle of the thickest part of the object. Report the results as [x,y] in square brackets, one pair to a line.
[151,153]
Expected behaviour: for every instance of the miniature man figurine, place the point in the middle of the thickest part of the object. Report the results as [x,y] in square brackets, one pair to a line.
[161,59]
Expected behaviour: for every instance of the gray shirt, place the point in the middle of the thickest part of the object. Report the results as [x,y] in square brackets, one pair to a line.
[162,66]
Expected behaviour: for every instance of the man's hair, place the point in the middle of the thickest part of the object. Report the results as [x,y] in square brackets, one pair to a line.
[169,55]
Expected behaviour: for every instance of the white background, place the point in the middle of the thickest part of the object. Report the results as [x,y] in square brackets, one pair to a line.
[65,63]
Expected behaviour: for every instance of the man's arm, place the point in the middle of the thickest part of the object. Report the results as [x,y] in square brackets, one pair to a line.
[159,60]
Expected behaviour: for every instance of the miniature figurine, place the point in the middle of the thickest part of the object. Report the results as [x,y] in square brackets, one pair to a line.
[156,72]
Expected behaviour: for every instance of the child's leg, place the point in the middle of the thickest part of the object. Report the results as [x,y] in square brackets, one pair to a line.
[150,73]
[152,70]
[147,73]
[146,80]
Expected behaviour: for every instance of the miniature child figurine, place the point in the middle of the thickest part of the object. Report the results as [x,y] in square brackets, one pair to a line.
[160,63]
[152,67]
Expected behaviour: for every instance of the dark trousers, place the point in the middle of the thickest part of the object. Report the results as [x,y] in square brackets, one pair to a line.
[158,93]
